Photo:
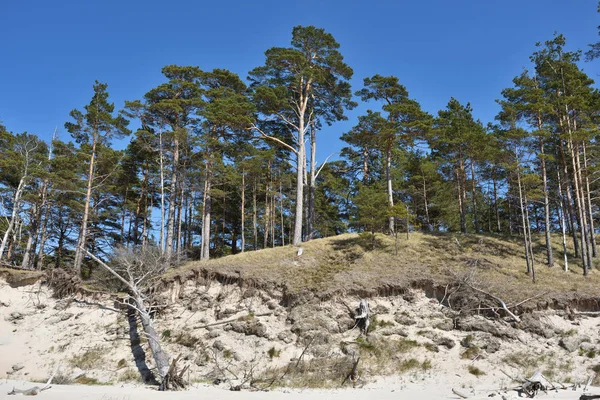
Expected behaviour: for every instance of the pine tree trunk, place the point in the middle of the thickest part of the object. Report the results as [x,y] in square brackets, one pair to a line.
[267,214]
[461,203]
[496,210]
[14,214]
[388,178]
[365,165]
[426,203]
[206,214]
[299,184]
[311,184]
[172,199]
[592,230]
[81,241]
[571,211]
[180,219]
[243,213]
[523,222]
[474,194]
[162,195]
[35,215]
[254,217]
[281,212]
[549,258]
[584,214]
[561,215]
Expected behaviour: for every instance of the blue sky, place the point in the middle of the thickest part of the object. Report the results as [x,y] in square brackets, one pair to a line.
[52,51]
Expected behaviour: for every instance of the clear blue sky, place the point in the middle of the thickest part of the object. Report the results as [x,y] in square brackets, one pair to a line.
[52,51]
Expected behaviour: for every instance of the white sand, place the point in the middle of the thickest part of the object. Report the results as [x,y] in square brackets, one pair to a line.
[381,392]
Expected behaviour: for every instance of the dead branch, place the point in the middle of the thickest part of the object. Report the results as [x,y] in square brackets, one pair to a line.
[353,374]
[459,394]
[230,320]
[499,300]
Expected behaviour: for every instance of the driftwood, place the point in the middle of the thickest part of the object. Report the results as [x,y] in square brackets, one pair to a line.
[459,394]
[230,320]
[589,396]
[34,391]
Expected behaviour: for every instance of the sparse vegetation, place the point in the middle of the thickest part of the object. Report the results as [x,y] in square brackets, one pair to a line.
[470,353]
[89,359]
[473,370]
[129,375]
[186,339]
[273,352]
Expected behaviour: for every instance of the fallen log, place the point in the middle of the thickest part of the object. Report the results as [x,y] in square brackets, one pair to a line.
[230,320]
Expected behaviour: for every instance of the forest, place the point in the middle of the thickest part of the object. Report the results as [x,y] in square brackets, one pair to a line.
[219,165]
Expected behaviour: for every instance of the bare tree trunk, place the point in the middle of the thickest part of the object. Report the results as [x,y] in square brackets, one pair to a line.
[14,214]
[206,214]
[301,160]
[254,216]
[365,165]
[267,214]
[474,194]
[496,210]
[592,230]
[243,214]
[561,215]
[524,223]
[570,202]
[426,202]
[311,184]
[529,239]
[35,215]
[81,241]
[550,260]
[578,204]
[172,198]
[180,219]
[281,212]
[461,204]
[162,194]
[388,178]
[582,195]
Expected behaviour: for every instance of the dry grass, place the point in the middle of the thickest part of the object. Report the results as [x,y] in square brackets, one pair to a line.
[345,265]
[90,359]
[20,277]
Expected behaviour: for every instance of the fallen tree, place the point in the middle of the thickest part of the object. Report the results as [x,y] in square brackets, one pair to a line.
[136,269]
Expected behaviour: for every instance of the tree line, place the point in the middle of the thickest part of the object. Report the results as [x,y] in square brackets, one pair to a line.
[220,165]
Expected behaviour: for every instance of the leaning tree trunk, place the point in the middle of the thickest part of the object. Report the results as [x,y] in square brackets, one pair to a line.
[161,358]
[13,218]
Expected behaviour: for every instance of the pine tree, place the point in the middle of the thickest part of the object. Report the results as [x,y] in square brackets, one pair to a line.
[299,86]
[91,129]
